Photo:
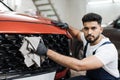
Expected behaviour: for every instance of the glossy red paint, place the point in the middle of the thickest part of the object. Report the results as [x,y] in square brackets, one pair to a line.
[19,23]
[61,74]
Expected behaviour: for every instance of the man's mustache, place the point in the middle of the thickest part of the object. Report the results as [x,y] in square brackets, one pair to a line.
[89,35]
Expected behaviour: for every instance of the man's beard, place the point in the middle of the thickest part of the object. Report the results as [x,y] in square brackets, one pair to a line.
[91,41]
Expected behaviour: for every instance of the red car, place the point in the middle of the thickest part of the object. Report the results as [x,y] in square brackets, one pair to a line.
[13,28]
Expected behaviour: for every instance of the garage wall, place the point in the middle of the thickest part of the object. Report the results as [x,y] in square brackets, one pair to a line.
[77,8]
[60,6]
[70,11]
[25,6]
[61,9]
[109,11]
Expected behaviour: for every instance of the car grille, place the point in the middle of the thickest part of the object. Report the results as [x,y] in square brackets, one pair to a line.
[12,61]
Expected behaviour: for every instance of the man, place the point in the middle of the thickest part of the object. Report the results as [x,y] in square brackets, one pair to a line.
[100,55]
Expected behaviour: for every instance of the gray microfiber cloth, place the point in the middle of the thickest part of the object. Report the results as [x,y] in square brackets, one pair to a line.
[30,57]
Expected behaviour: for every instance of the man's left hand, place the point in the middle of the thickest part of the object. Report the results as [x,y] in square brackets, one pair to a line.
[41,49]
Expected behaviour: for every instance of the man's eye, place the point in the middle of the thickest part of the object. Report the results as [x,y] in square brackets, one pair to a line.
[85,28]
[93,28]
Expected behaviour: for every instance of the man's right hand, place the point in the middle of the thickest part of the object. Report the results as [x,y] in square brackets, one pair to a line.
[60,24]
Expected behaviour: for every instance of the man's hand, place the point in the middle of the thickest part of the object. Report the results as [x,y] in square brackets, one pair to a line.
[41,49]
[60,24]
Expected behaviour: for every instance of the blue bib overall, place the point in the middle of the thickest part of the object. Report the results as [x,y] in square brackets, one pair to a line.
[99,74]
[96,74]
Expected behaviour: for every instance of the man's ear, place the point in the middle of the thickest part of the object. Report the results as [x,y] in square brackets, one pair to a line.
[101,29]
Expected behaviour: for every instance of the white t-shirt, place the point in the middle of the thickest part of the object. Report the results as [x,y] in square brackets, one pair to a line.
[107,54]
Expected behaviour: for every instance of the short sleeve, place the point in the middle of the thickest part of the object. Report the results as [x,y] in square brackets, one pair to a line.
[106,53]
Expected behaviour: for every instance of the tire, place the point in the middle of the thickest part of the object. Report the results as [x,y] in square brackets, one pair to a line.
[77,49]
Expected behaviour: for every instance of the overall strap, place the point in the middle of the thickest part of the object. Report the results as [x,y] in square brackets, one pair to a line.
[107,42]
[85,48]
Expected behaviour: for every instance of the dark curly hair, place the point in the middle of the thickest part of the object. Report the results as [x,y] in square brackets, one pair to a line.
[92,17]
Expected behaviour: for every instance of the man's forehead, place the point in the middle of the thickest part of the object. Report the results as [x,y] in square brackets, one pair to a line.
[91,24]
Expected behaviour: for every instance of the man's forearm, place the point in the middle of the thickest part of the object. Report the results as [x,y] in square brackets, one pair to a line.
[88,63]
[63,60]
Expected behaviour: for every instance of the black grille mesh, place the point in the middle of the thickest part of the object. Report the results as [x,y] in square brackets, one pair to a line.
[11,60]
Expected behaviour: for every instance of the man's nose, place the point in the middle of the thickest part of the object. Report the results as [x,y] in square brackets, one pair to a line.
[89,31]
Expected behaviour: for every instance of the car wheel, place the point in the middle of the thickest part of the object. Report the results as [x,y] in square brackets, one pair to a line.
[77,49]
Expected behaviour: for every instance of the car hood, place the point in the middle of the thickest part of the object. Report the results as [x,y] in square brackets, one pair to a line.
[19,23]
